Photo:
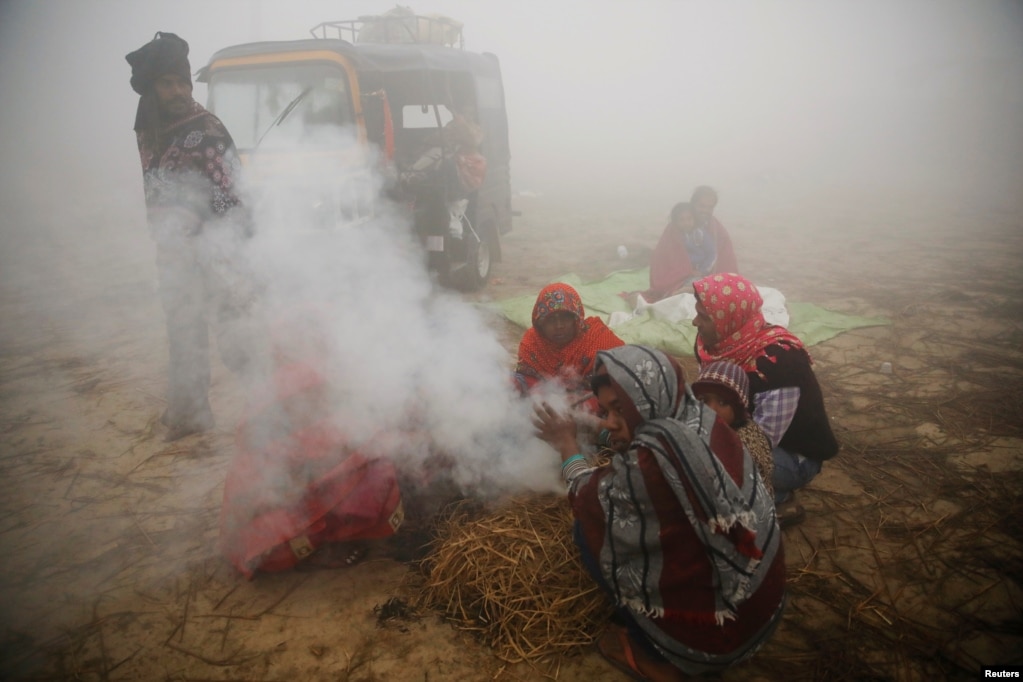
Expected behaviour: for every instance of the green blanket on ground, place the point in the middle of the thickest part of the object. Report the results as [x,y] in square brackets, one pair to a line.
[811,323]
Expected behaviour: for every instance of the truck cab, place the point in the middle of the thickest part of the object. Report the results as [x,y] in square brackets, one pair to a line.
[330,127]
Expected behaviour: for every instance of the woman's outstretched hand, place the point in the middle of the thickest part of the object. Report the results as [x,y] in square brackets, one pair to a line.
[556,428]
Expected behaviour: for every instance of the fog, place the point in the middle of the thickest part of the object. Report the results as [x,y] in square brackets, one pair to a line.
[607,101]
[636,100]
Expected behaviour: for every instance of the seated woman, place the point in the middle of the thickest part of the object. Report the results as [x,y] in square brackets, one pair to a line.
[687,251]
[785,395]
[296,490]
[562,344]
[675,528]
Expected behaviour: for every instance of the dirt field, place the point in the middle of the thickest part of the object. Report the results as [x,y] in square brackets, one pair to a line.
[908,567]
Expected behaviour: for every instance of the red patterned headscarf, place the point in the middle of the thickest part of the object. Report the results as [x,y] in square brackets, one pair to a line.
[541,359]
[734,303]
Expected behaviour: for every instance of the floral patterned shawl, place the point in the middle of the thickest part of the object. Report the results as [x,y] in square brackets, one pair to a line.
[194,168]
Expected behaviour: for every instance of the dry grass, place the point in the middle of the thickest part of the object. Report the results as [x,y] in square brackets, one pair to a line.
[513,577]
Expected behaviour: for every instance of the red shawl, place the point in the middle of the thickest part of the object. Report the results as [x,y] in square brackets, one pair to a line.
[734,304]
[670,267]
[294,484]
[540,359]
[471,169]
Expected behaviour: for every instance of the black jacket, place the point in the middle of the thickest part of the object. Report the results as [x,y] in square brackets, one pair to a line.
[809,434]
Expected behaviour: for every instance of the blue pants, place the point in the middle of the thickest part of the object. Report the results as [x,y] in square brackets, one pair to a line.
[791,472]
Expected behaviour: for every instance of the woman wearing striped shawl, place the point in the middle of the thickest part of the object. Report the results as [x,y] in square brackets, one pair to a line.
[678,527]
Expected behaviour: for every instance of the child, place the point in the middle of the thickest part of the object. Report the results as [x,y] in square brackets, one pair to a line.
[723,386]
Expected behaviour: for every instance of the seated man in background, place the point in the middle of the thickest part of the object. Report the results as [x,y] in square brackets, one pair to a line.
[452,167]
[784,393]
[693,244]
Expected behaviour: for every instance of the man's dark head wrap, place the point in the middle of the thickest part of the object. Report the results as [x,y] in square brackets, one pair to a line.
[165,53]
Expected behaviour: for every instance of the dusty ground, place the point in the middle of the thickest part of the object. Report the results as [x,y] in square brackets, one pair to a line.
[908,567]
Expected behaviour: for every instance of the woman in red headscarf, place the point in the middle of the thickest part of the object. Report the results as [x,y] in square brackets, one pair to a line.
[562,344]
[731,324]
[785,397]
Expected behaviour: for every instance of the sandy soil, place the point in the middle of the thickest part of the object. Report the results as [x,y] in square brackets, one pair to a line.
[907,568]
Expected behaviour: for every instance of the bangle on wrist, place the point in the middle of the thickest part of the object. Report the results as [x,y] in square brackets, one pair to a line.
[574,458]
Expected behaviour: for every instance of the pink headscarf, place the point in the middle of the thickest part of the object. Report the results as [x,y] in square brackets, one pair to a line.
[734,304]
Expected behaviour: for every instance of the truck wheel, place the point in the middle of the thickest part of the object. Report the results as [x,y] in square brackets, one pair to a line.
[480,259]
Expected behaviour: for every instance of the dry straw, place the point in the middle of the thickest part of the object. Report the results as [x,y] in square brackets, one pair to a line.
[513,577]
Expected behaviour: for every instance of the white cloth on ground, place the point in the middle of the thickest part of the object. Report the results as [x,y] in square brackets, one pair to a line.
[682,308]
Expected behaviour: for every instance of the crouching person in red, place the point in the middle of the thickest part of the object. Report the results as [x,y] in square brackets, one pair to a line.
[296,490]
[678,528]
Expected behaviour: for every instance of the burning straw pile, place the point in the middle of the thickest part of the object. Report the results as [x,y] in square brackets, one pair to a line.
[513,577]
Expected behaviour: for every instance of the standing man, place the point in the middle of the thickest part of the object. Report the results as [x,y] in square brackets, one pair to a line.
[189,171]
[785,396]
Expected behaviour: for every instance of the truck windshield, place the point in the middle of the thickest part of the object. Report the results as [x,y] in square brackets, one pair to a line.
[250,100]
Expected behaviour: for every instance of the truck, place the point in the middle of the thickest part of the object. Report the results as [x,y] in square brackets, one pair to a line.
[366,112]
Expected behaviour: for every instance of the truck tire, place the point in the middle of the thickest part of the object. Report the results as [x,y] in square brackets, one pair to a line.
[480,260]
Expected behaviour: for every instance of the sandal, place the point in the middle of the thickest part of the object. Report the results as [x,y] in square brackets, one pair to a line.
[621,638]
[356,553]
[616,648]
[337,555]
[791,515]
[176,430]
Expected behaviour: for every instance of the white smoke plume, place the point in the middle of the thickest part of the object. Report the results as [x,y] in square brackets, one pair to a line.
[414,370]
